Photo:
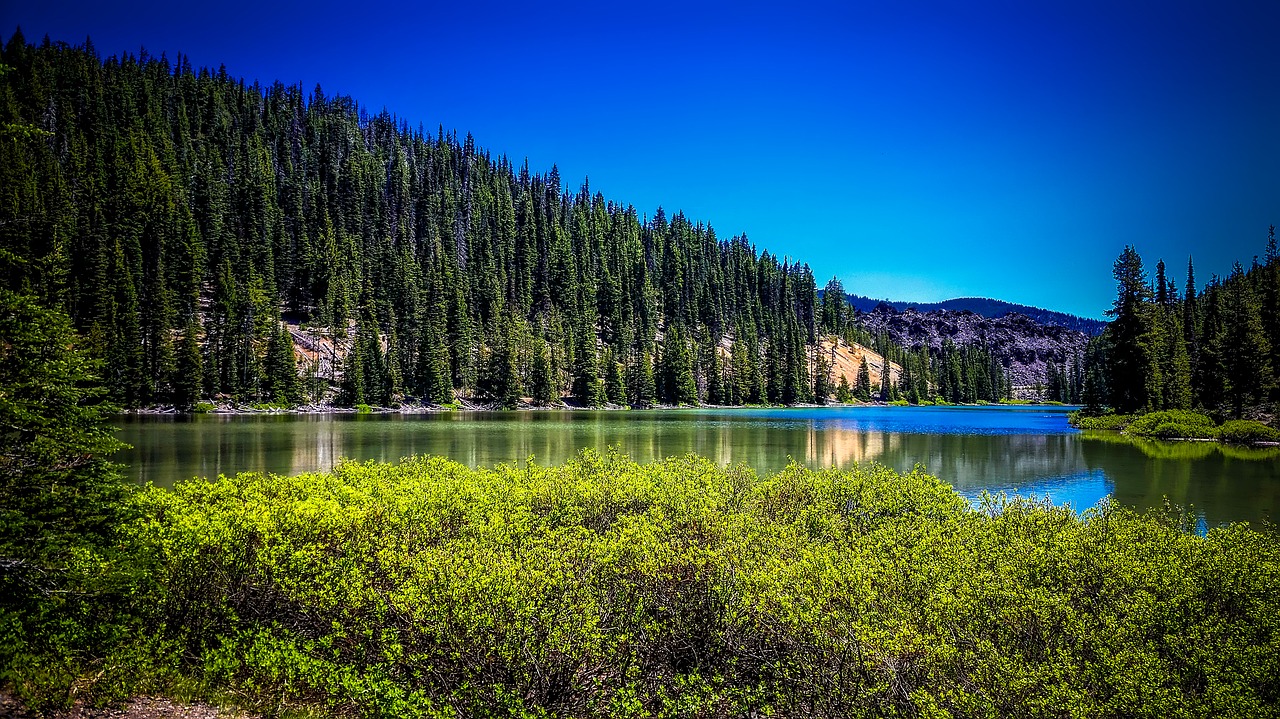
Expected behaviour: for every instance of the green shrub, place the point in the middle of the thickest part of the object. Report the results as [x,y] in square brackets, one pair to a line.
[677,588]
[1247,431]
[680,587]
[1105,421]
[1173,424]
[203,407]
[364,409]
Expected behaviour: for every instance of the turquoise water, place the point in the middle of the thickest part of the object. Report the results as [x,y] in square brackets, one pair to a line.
[1026,450]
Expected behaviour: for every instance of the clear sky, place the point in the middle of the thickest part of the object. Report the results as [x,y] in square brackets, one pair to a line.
[916,150]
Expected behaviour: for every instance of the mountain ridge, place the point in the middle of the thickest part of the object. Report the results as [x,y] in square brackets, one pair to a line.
[1031,353]
[989,308]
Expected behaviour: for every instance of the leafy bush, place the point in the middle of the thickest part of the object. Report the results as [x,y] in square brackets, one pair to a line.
[1173,423]
[203,407]
[1247,431]
[1105,421]
[609,588]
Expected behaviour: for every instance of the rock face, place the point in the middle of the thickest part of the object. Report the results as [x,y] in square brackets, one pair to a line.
[987,307]
[1023,345]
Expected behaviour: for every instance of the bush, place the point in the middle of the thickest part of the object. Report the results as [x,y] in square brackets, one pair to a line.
[1173,424]
[605,587]
[1247,431]
[1105,421]
[203,407]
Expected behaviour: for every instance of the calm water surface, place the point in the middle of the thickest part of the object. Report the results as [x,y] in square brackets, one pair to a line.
[1025,450]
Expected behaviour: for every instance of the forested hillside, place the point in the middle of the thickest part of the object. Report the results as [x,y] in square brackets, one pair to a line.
[193,226]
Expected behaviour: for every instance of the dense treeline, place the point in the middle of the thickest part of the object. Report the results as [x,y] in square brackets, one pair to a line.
[178,215]
[195,227]
[1213,348]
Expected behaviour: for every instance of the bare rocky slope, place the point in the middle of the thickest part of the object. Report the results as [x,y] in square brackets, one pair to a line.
[988,308]
[1024,346]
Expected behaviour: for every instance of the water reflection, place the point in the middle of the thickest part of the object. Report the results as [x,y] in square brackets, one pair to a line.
[1029,451]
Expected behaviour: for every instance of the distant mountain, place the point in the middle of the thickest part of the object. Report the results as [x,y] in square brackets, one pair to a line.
[990,308]
[1025,347]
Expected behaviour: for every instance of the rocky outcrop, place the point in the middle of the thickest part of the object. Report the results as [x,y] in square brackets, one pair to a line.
[1024,346]
[987,307]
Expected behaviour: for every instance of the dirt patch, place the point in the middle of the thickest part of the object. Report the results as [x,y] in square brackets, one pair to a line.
[136,708]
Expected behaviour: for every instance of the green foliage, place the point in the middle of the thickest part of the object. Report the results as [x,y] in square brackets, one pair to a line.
[844,393]
[1247,431]
[61,502]
[1173,424]
[679,588]
[1211,349]
[219,206]
[57,489]
[1082,420]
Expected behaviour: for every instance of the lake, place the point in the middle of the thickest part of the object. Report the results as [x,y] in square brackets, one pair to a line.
[1027,450]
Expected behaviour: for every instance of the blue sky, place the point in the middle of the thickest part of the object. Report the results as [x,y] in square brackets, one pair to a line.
[916,150]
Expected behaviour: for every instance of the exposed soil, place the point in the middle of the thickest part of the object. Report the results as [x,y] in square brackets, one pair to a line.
[136,708]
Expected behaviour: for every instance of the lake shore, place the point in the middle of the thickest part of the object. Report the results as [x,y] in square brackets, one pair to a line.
[234,408]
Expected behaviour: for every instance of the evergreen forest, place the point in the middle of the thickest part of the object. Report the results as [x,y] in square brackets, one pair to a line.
[1214,348]
[213,239]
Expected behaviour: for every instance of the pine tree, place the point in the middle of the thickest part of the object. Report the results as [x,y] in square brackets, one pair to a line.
[1191,320]
[1130,354]
[280,370]
[351,391]
[886,381]
[821,373]
[1246,351]
[862,389]
[614,386]
[58,490]
[433,373]
[508,388]
[588,389]
[541,384]
[1270,310]
[1094,394]
[188,381]
[844,394]
[643,387]
[678,368]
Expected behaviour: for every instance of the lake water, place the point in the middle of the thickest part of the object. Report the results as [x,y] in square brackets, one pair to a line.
[1027,450]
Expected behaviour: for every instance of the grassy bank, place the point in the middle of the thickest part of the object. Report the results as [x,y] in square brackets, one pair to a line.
[678,588]
[1178,424]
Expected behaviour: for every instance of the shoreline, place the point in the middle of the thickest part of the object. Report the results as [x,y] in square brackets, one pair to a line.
[235,409]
